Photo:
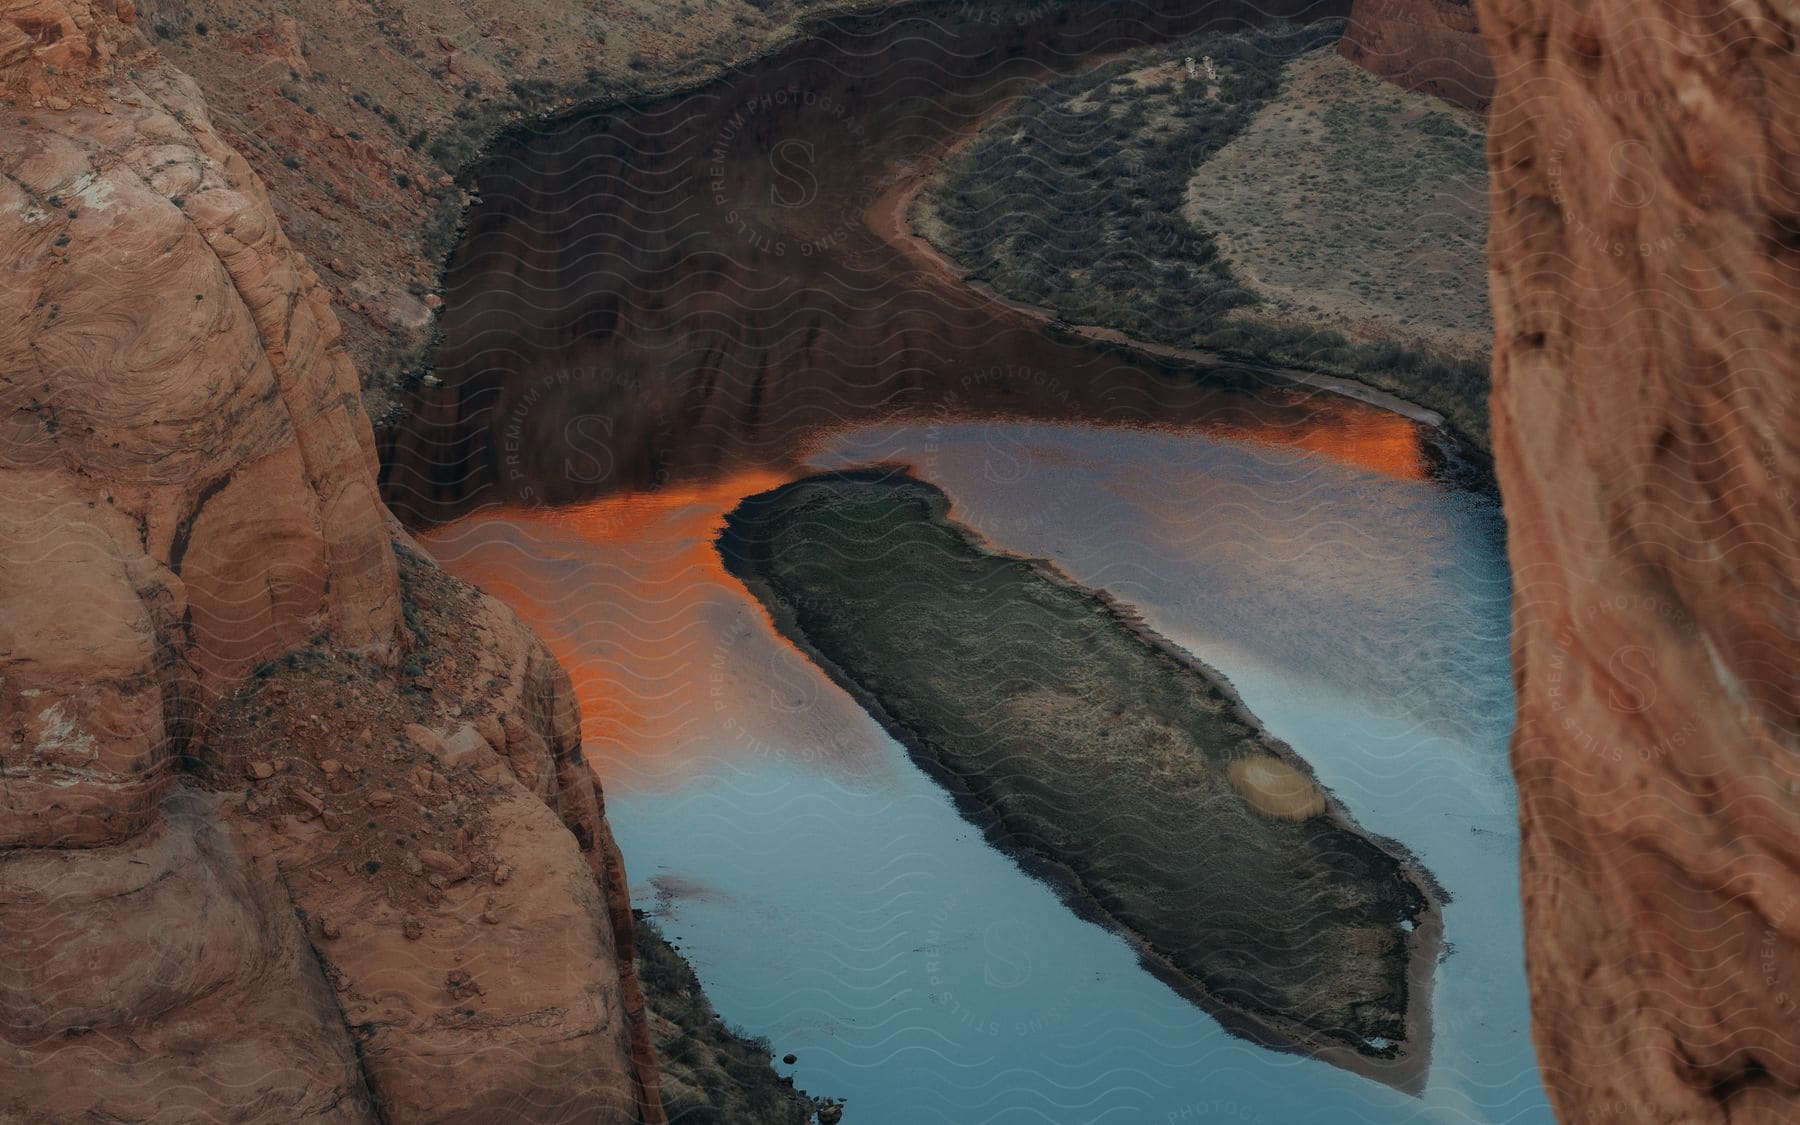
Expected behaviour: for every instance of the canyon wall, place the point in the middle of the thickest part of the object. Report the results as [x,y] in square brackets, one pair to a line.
[1645,267]
[775,316]
[292,825]
[1429,45]
[358,115]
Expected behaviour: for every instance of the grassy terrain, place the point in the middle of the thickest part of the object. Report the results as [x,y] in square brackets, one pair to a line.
[1101,749]
[1261,210]
[1350,199]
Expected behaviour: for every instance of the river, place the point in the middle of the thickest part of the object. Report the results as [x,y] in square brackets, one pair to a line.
[653,316]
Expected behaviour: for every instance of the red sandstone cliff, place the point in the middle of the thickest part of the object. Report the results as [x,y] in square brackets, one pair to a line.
[1645,259]
[292,825]
[1429,45]
[357,115]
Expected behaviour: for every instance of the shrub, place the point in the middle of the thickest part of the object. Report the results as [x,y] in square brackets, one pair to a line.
[1078,210]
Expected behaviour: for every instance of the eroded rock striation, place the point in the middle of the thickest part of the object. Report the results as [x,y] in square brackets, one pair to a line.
[359,116]
[1645,264]
[293,826]
[1429,45]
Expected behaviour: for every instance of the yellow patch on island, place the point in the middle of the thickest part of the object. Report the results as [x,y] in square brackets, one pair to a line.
[1276,789]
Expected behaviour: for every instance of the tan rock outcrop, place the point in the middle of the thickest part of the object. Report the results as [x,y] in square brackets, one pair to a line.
[188,510]
[165,977]
[455,871]
[1429,45]
[1645,264]
[50,48]
[187,471]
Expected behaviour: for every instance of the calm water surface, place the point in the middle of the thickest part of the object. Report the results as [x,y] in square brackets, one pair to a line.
[642,324]
[832,898]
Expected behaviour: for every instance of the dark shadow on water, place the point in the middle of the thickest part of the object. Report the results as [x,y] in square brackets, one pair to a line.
[673,291]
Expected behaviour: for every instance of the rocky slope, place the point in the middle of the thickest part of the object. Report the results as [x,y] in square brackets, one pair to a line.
[1645,258]
[357,113]
[293,826]
[1429,45]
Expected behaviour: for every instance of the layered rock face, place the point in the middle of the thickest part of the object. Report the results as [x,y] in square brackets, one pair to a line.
[187,492]
[188,478]
[1645,263]
[357,115]
[1429,45]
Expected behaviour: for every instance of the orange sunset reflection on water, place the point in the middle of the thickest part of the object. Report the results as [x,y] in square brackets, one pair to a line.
[676,666]
[1342,430]
[1349,433]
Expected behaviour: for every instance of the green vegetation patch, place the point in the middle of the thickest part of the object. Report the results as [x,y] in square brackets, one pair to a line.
[1356,203]
[1100,748]
[1078,200]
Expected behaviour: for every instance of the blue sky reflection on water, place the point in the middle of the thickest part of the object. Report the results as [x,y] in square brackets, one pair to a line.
[832,898]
